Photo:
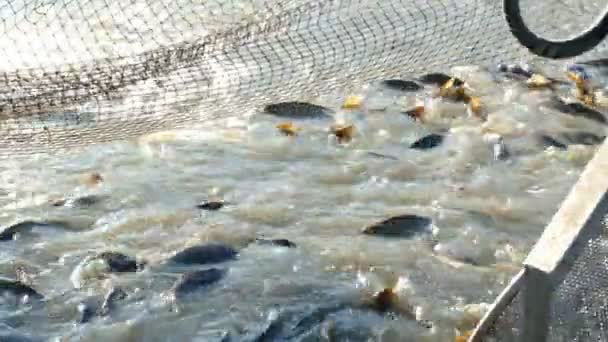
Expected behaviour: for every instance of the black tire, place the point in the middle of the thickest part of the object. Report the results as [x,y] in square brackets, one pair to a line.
[559,49]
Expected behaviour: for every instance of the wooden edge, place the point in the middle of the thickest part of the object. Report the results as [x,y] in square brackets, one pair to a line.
[502,301]
[574,215]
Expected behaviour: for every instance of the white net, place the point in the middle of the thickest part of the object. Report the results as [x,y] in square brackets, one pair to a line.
[81,72]
[74,73]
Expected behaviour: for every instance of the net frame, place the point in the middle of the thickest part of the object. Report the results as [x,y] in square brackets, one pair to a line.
[579,218]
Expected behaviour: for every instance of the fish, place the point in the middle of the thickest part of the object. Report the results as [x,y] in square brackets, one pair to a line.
[402,85]
[89,309]
[118,262]
[204,254]
[549,141]
[406,226]
[211,205]
[454,89]
[192,281]
[577,109]
[98,266]
[515,71]
[415,113]
[18,289]
[343,133]
[475,107]
[582,138]
[28,227]
[91,179]
[298,110]
[437,79]
[428,142]
[280,327]
[276,242]
[352,102]
[533,78]
[81,202]
[288,129]
[577,73]
[539,81]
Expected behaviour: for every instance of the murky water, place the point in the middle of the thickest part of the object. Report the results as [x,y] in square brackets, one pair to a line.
[318,193]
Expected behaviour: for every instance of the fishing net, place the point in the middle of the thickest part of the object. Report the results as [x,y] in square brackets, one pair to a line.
[73,73]
[80,72]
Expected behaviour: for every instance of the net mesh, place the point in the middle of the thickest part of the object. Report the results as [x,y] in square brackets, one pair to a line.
[89,71]
[580,305]
[508,325]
